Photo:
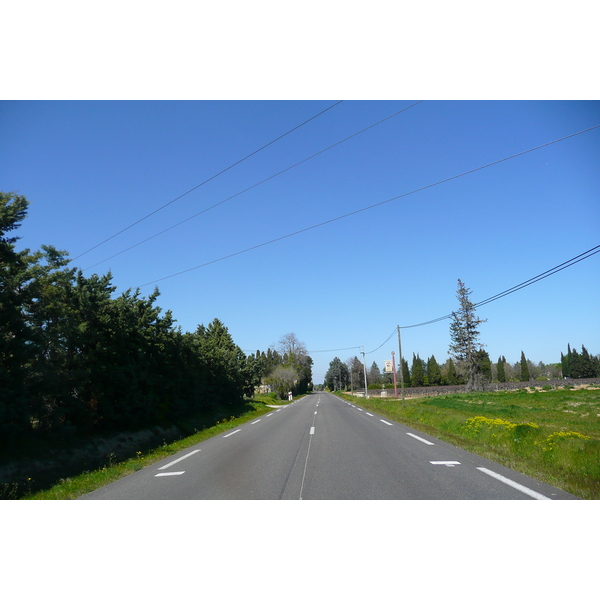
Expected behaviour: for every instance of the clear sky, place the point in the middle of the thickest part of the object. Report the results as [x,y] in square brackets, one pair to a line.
[92,168]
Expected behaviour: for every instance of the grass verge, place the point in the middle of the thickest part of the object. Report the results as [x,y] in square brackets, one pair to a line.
[71,488]
[551,435]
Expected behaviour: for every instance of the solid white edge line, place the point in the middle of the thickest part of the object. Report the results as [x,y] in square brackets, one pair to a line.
[514,484]
[420,439]
[170,473]
[178,459]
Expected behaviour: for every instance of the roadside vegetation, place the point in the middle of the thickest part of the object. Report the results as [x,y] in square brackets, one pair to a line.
[82,365]
[550,434]
[71,488]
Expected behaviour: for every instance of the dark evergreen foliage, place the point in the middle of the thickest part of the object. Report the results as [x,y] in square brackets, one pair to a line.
[417,372]
[434,373]
[501,375]
[524,368]
[578,366]
[76,359]
[338,375]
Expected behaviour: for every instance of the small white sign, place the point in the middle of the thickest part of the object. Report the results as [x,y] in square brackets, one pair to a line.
[388,366]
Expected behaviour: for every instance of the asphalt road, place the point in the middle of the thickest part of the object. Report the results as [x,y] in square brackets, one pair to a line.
[324,448]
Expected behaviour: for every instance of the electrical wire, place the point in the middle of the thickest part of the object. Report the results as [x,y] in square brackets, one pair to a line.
[377,204]
[512,290]
[386,341]
[255,185]
[207,180]
[334,350]
[554,270]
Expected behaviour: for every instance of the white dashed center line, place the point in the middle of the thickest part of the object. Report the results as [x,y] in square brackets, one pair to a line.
[170,473]
[234,431]
[421,439]
[178,459]
[385,422]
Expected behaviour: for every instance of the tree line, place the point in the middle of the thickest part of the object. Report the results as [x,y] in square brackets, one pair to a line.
[469,363]
[77,358]
[284,368]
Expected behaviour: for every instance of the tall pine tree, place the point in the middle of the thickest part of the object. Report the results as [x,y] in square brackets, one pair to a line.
[464,335]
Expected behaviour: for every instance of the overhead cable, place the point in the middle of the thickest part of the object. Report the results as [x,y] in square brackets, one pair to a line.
[360,210]
[512,290]
[255,185]
[207,180]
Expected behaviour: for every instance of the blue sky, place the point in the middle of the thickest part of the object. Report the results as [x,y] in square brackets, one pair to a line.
[92,168]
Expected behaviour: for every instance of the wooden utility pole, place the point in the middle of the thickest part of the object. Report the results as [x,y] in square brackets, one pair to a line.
[401,366]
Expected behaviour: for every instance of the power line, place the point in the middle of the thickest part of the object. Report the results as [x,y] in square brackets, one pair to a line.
[360,210]
[512,290]
[391,334]
[554,270]
[334,350]
[207,180]
[255,185]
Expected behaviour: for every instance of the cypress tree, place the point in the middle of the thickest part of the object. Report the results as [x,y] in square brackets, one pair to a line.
[417,375]
[406,373]
[501,370]
[434,373]
[452,378]
[524,368]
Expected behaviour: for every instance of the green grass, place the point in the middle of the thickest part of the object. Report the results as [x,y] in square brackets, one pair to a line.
[551,435]
[74,487]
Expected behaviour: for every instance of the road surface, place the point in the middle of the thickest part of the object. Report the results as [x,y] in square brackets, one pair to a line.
[324,448]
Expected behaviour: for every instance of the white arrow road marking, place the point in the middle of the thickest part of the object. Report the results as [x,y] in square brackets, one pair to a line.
[234,431]
[421,439]
[178,459]
[514,484]
[170,473]
[448,463]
